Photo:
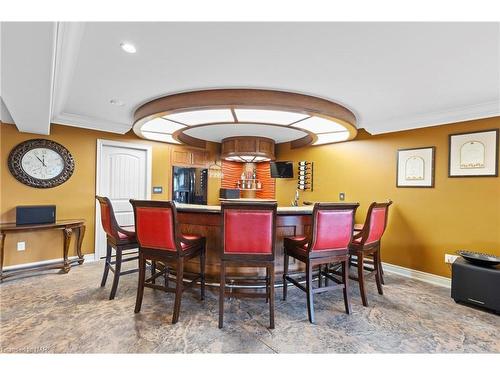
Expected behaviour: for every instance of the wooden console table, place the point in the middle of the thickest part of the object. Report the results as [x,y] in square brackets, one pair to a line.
[67,226]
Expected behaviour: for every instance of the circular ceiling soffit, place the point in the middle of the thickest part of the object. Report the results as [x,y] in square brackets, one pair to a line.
[195,117]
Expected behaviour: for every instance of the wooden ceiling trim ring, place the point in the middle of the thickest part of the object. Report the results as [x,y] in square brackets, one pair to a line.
[253,98]
[245,98]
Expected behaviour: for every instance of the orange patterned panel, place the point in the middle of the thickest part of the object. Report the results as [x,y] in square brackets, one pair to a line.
[232,173]
[268,184]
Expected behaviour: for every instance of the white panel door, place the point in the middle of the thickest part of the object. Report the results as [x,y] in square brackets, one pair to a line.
[123,173]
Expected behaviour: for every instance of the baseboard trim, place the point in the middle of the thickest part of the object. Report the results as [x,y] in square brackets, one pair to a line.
[417,275]
[87,258]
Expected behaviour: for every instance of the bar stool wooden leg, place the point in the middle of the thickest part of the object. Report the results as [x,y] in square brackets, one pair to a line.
[202,273]
[271,297]
[153,271]
[166,275]
[319,276]
[267,284]
[118,269]
[178,290]
[106,265]
[285,274]
[376,265]
[327,271]
[361,279]
[380,266]
[309,291]
[140,287]
[222,289]
[345,281]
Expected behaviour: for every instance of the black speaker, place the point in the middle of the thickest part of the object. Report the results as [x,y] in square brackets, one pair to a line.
[229,193]
[476,285]
[35,215]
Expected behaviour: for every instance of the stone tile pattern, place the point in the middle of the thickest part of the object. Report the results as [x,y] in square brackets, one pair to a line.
[70,313]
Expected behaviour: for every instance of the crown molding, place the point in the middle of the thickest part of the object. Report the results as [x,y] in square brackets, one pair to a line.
[69,37]
[458,114]
[68,41]
[5,116]
[92,123]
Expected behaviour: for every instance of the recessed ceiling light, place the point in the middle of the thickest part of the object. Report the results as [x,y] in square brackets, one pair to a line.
[128,47]
[117,102]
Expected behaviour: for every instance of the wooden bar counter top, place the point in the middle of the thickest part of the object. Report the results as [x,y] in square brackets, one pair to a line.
[206,221]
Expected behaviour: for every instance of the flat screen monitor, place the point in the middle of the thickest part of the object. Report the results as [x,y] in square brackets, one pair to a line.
[282,169]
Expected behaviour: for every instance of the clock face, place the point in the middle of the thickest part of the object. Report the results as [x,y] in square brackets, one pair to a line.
[42,163]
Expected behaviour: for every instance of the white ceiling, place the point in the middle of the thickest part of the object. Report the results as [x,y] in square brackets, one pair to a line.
[393,76]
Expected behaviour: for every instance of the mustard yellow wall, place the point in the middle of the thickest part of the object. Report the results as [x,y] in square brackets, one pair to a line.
[75,198]
[424,224]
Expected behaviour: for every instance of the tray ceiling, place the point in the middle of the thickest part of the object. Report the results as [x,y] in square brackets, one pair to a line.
[393,76]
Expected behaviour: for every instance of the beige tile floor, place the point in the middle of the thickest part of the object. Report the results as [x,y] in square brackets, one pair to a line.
[70,313]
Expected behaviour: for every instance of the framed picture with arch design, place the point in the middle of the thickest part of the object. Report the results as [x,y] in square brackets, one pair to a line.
[473,154]
[415,167]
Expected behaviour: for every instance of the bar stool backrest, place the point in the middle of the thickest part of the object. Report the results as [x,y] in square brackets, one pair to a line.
[155,225]
[332,226]
[376,222]
[108,220]
[249,229]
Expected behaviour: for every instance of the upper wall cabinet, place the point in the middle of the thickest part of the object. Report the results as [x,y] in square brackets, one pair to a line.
[189,157]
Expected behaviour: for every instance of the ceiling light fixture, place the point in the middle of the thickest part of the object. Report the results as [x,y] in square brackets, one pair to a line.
[117,102]
[128,47]
[216,115]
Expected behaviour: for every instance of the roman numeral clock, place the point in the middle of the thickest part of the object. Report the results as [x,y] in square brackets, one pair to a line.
[41,163]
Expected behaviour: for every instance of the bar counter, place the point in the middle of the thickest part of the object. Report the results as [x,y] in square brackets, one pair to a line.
[206,221]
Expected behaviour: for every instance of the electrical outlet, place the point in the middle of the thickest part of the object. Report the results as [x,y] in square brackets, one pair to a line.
[21,246]
[449,258]
[341,196]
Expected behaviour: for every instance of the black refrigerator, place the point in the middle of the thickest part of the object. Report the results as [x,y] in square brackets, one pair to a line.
[189,185]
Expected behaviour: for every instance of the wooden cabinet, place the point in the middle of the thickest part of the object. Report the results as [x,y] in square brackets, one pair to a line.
[181,157]
[259,147]
[190,157]
[199,157]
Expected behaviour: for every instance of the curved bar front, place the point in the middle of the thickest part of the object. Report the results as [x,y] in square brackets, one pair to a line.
[206,221]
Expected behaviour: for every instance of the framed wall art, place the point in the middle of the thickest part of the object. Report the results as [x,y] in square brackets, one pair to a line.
[473,154]
[415,167]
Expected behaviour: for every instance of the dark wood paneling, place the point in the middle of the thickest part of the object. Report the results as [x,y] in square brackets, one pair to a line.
[208,225]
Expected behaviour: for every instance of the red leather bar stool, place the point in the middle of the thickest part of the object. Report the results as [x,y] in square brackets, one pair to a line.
[249,232]
[366,242]
[160,239]
[331,234]
[119,238]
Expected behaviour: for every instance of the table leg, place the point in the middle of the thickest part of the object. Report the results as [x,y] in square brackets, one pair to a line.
[67,241]
[81,233]
[2,242]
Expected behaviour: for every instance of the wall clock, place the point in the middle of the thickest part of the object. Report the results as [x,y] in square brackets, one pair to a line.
[41,163]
